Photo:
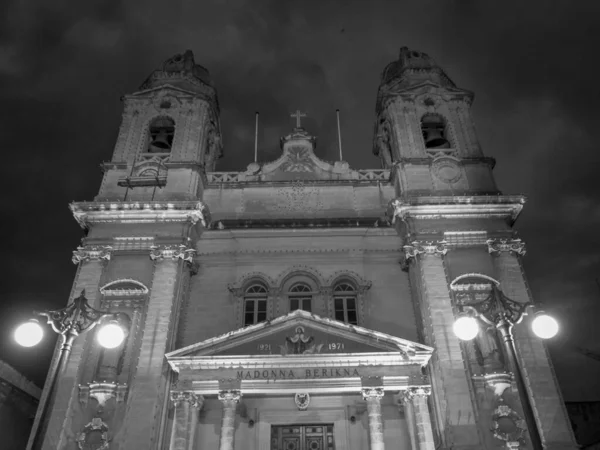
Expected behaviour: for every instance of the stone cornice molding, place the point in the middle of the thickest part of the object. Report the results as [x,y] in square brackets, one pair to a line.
[196,401]
[506,245]
[174,252]
[372,392]
[90,213]
[456,207]
[415,391]
[230,395]
[92,253]
[417,248]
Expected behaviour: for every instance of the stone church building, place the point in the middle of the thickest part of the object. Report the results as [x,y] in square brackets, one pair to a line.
[300,304]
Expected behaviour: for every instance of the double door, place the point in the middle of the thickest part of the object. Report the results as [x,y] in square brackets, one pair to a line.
[302,437]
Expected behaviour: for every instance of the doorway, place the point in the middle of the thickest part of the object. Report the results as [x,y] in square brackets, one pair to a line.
[302,437]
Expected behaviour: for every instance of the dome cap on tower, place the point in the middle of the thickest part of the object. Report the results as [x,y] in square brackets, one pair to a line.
[182,71]
[413,68]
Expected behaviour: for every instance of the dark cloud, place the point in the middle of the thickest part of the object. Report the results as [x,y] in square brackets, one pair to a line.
[532,65]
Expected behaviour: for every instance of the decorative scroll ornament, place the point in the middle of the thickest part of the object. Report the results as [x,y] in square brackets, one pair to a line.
[513,434]
[368,393]
[174,252]
[425,247]
[94,436]
[196,401]
[302,401]
[300,344]
[91,253]
[416,391]
[231,395]
[506,245]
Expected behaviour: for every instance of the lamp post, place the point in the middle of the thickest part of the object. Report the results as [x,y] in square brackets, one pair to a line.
[71,321]
[503,313]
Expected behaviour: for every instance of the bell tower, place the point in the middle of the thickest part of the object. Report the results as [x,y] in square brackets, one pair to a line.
[459,245]
[169,136]
[424,127]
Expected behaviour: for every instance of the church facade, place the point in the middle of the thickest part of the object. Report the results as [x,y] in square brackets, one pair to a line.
[300,304]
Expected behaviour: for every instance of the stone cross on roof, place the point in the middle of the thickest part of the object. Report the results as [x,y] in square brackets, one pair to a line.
[298,115]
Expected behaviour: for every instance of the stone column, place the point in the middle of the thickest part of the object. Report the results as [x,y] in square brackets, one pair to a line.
[230,399]
[419,420]
[187,404]
[373,397]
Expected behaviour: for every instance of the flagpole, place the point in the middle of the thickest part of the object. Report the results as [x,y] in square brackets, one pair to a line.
[256,138]
[337,111]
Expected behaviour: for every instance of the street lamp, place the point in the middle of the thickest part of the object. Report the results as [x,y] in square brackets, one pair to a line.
[71,321]
[502,312]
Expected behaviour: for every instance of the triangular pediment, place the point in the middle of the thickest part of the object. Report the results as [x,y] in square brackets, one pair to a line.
[302,333]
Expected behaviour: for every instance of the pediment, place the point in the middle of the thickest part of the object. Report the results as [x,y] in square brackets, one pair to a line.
[302,333]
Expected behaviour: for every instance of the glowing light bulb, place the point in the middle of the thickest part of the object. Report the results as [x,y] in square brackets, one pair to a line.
[110,335]
[29,334]
[466,328]
[544,326]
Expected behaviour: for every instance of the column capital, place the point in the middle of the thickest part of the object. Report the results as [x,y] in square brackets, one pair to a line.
[372,392]
[415,391]
[417,248]
[92,253]
[506,245]
[174,252]
[230,395]
[178,397]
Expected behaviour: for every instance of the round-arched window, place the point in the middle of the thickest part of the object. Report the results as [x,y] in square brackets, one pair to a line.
[344,303]
[300,295]
[255,304]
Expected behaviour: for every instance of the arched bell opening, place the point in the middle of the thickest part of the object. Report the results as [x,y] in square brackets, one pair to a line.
[433,127]
[162,131]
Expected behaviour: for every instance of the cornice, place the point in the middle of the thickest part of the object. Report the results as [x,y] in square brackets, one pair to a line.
[90,213]
[506,245]
[303,250]
[427,161]
[452,207]
[313,223]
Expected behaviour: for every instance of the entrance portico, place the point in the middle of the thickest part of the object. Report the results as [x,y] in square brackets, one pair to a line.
[335,372]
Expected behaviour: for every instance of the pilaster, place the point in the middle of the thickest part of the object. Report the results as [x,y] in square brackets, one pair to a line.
[90,261]
[230,399]
[540,380]
[451,386]
[149,387]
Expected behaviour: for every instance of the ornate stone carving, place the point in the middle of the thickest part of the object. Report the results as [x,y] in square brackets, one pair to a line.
[446,169]
[196,401]
[92,253]
[506,245]
[302,401]
[425,247]
[299,344]
[513,434]
[172,252]
[102,392]
[124,287]
[372,392]
[414,391]
[94,436]
[230,395]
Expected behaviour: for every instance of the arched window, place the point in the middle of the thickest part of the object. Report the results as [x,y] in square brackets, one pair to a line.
[300,295]
[344,303]
[255,304]
[162,130]
[433,128]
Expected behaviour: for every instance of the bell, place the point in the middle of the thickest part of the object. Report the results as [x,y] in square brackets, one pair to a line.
[435,139]
[160,143]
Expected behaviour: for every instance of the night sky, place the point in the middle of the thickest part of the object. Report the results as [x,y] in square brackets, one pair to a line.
[532,65]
